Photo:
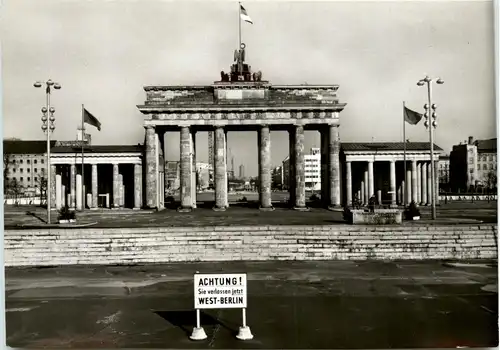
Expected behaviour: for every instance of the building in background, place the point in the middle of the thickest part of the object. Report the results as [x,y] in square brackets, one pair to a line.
[444,172]
[277,178]
[286,173]
[25,165]
[487,162]
[312,168]
[172,170]
[203,171]
[473,165]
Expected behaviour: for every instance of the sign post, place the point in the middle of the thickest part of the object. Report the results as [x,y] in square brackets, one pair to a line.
[220,291]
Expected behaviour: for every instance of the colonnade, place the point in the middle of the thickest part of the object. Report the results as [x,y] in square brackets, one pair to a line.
[154,181]
[68,187]
[417,187]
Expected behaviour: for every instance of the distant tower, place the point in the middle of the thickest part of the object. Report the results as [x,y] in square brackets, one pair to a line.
[242,171]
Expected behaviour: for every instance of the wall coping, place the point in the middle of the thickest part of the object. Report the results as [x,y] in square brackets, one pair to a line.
[263,228]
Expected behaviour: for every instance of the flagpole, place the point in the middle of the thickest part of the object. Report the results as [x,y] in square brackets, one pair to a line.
[403,190]
[239,25]
[83,163]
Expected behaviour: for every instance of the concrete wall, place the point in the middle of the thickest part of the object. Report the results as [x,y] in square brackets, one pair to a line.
[156,245]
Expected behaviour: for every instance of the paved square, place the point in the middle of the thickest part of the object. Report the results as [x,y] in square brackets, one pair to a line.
[291,305]
[240,214]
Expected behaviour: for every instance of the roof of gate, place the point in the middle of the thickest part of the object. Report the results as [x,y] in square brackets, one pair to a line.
[99,149]
[388,146]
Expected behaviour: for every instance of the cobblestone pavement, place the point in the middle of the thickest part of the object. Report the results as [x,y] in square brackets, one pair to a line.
[334,304]
[239,214]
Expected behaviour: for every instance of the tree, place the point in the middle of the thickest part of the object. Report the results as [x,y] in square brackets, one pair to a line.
[8,164]
[6,170]
[14,189]
[41,183]
[491,181]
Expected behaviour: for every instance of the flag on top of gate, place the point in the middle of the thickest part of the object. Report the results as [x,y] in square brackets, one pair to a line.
[91,120]
[244,16]
[412,117]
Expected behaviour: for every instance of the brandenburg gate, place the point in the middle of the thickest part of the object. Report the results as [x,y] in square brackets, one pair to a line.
[241,101]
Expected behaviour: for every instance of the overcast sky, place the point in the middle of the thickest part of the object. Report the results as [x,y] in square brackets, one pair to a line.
[104,52]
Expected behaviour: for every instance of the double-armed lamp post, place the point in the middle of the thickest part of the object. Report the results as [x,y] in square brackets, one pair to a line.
[48,126]
[431,123]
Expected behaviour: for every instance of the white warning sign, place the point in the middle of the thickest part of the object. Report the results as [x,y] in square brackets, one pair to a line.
[223,291]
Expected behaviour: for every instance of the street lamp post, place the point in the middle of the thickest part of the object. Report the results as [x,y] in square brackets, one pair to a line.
[48,127]
[431,123]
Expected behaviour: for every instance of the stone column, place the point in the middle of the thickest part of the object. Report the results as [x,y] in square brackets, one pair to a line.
[72,184]
[159,174]
[220,171]
[408,186]
[429,184]
[53,171]
[137,186]
[63,195]
[399,195]
[121,192]
[300,179]
[362,197]
[371,186]
[265,168]
[414,188]
[325,156]
[194,177]
[419,183]
[392,170]
[349,183]
[436,178]
[423,176]
[160,134]
[185,171]
[58,191]
[116,187]
[367,195]
[151,169]
[291,166]
[95,192]
[79,198]
[334,167]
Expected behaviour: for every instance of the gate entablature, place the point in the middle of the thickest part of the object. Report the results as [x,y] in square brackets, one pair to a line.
[245,103]
[221,93]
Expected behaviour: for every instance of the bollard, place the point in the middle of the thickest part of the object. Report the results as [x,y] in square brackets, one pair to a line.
[198,331]
[244,332]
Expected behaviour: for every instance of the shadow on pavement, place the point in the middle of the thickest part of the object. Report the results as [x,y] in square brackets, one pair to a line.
[186,320]
[30,213]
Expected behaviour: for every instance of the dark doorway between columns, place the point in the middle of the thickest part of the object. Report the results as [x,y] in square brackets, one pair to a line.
[127,171]
[65,181]
[104,184]
[382,182]
[358,178]
[400,177]
[87,182]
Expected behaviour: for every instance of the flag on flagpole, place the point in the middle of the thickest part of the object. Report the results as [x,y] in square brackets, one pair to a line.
[412,117]
[244,16]
[91,120]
